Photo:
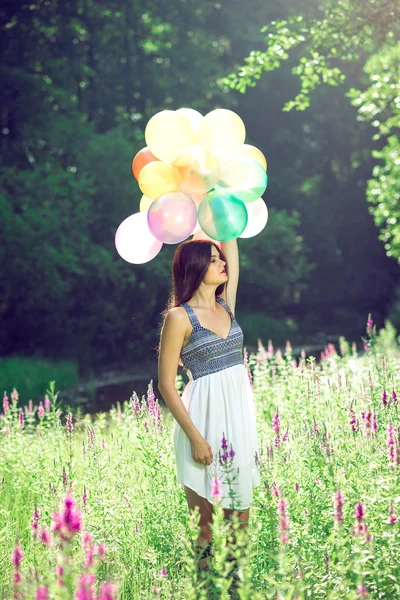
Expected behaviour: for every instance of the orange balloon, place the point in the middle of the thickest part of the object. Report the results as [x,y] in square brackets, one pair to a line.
[142,158]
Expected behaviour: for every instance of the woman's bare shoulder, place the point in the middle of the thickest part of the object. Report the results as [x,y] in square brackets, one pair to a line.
[176,317]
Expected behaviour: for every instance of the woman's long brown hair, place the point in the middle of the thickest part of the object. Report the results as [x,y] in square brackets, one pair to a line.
[189,265]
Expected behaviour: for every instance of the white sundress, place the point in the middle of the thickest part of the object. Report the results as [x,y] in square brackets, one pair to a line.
[219,400]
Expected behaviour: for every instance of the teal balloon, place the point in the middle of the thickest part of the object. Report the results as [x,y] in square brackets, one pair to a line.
[243,177]
[222,216]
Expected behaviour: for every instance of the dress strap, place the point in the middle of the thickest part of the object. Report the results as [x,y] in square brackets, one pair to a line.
[224,304]
[191,314]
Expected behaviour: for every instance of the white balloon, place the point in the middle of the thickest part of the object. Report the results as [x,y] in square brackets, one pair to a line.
[193,116]
[258,218]
[134,241]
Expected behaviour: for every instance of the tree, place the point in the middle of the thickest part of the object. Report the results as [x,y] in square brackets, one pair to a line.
[348,31]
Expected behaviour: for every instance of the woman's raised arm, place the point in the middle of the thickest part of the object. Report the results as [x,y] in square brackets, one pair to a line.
[231,252]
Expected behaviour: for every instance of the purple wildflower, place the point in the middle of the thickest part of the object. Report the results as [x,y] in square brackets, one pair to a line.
[385,401]
[84,495]
[164,572]
[338,506]
[353,421]
[224,443]
[394,397]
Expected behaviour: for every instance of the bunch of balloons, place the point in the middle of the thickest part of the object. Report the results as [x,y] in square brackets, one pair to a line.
[198,178]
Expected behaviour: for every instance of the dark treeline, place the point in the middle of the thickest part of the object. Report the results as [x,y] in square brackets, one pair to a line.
[80,79]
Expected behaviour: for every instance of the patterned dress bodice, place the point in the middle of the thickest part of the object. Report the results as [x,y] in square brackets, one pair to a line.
[206,352]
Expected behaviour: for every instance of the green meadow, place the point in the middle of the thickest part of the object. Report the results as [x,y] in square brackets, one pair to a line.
[92,505]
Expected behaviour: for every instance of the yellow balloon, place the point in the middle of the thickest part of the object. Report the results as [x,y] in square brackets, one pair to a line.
[167,133]
[145,203]
[254,153]
[223,132]
[157,178]
[193,116]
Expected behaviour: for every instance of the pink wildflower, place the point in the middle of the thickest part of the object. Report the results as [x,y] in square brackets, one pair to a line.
[86,590]
[362,591]
[15,395]
[44,537]
[392,517]
[216,491]
[70,426]
[391,446]
[107,591]
[35,522]
[68,521]
[91,435]
[46,402]
[21,419]
[84,496]
[6,403]
[17,555]
[360,526]
[370,325]
[164,572]
[101,552]
[40,411]
[338,506]
[135,403]
[42,593]
[283,521]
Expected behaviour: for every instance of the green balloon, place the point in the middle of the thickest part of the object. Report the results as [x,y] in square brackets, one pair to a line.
[222,216]
[243,177]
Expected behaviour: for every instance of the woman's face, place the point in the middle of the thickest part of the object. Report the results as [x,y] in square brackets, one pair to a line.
[216,273]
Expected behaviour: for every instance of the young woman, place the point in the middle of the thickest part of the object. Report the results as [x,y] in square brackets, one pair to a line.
[201,333]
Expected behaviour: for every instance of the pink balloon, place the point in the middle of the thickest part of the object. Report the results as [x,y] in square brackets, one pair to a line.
[172,217]
[134,241]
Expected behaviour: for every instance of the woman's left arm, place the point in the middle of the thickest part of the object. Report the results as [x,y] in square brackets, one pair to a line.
[231,252]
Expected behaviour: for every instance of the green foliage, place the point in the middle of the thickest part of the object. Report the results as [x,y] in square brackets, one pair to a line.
[345,32]
[379,104]
[31,376]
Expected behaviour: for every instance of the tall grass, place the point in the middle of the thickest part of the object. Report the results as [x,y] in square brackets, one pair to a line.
[323,524]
